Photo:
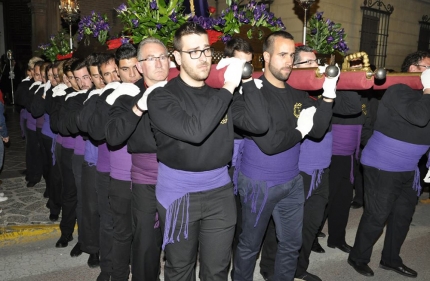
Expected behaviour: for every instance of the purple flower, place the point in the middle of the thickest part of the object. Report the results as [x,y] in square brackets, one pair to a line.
[226,38]
[122,8]
[135,22]
[158,26]
[153,5]
[173,17]
[330,39]
[319,16]
[314,31]
[125,40]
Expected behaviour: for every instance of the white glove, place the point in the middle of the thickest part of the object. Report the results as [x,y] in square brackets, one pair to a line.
[425,78]
[329,86]
[234,69]
[306,120]
[258,84]
[427,177]
[141,103]
[322,68]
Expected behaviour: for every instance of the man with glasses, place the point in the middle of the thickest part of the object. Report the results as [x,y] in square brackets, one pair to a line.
[391,176]
[129,124]
[193,129]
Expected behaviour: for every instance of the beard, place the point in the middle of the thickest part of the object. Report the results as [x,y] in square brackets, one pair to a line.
[199,72]
[278,74]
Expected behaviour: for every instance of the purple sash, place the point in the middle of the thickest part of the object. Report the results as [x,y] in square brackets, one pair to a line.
[393,155]
[59,139]
[46,128]
[236,149]
[120,164]
[144,168]
[90,153]
[267,170]
[173,189]
[31,122]
[314,158]
[68,142]
[22,121]
[39,121]
[79,148]
[103,159]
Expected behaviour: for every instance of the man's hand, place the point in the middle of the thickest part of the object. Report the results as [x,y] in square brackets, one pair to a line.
[306,120]
[427,177]
[425,79]
[6,139]
[329,86]
[233,73]
[141,103]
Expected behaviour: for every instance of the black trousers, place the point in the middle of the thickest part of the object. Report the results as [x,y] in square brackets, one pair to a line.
[313,214]
[106,221]
[212,219]
[147,238]
[238,229]
[69,193]
[90,227]
[120,204]
[33,157]
[359,185]
[77,161]
[45,154]
[339,200]
[53,183]
[391,200]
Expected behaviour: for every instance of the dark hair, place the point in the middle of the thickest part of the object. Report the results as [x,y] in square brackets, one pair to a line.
[47,68]
[237,44]
[104,58]
[186,29]
[414,59]
[299,49]
[125,51]
[39,63]
[67,64]
[92,60]
[268,42]
[78,64]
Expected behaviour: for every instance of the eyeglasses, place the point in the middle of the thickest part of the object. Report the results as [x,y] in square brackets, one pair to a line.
[425,66]
[309,62]
[196,54]
[154,59]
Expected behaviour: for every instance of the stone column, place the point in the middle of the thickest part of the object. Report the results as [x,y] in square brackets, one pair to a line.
[39,22]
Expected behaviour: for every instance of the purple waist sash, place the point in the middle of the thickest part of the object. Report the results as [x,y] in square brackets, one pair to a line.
[46,128]
[91,152]
[144,168]
[120,164]
[30,122]
[393,155]
[39,121]
[236,149]
[173,189]
[68,142]
[79,148]
[314,158]
[60,139]
[273,169]
[103,159]
[346,139]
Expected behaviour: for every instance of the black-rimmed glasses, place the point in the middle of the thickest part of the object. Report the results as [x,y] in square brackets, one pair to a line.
[425,66]
[196,54]
[308,62]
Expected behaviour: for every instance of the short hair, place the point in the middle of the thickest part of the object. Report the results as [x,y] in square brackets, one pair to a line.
[104,58]
[59,65]
[268,42]
[237,44]
[39,63]
[124,52]
[78,64]
[67,64]
[413,59]
[299,49]
[48,67]
[43,68]
[92,60]
[148,40]
[32,61]
[186,29]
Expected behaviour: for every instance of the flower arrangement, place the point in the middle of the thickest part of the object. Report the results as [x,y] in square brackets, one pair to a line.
[325,36]
[58,45]
[151,18]
[229,22]
[95,25]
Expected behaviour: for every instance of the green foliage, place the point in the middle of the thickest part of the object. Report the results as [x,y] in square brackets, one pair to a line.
[58,45]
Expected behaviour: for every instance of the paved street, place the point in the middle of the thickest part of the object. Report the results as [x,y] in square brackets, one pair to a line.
[27,237]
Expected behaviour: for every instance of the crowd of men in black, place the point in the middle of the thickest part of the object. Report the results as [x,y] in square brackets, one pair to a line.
[146,164]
